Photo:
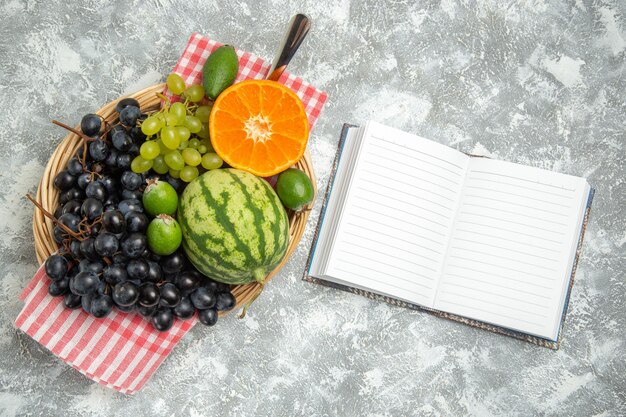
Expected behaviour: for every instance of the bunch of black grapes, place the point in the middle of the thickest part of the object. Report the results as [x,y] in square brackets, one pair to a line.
[104,260]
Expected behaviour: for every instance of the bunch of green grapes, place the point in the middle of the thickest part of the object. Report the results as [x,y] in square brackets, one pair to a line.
[177,136]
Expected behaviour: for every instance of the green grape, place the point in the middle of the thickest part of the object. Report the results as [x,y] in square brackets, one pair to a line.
[140,165]
[179,110]
[211,161]
[203,113]
[192,157]
[174,160]
[193,124]
[202,149]
[188,173]
[159,166]
[203,132]
[207,143]
[149,150]
[162,148]
[194,93]
[175,83]
[151,125]
[183,133]
[194,143]
[171,119]
[183,145]
[174,173]
[169,136]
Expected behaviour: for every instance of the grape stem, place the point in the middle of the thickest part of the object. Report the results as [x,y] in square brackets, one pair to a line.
[46,213]
[86,139]
[167,101]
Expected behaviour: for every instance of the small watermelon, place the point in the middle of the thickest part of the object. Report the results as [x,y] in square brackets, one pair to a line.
[235,229]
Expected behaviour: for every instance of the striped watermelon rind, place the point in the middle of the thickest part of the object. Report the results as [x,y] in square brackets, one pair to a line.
[235,229]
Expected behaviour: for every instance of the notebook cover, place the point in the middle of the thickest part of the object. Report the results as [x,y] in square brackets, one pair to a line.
[400,303]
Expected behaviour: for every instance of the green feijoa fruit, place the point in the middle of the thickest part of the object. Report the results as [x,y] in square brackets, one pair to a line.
[164,235]
[219,71]
[294,189]
[159,197]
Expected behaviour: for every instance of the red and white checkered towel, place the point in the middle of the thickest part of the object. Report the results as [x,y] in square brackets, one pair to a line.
[123,350]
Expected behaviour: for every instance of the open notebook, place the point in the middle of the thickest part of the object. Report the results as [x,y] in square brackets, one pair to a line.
[419,224]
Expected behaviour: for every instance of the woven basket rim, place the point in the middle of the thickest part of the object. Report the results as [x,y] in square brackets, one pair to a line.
[47,195]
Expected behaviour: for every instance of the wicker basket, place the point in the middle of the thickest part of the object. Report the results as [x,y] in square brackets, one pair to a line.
[48,195]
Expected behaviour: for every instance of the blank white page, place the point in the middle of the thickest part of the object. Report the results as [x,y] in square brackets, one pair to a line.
[512,248]
[398,215]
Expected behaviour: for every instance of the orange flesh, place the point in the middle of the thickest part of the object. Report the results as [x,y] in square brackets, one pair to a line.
[259,126]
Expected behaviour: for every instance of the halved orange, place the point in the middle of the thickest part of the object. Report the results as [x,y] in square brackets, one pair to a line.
[259,126]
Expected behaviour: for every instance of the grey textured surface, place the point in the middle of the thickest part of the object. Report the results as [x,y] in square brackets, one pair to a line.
[538,82]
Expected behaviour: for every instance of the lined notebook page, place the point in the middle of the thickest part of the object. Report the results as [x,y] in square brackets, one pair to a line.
[398,215]
[511,251]
[340,186]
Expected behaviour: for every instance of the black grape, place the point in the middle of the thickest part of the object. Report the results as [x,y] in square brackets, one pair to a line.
[202,298]
[126,309]
[184,309]
[95,266]
[64,180]
[57,288]
[136,221]
[72,206]
[225,301]
[126,206]
[137,269]
[90,124]
[114,221]
[101,305]
[97,190]
[56,267]
[98,150]
[137,134]
[148,295]
[111,159]
[75,249]
[114,273]
[155,274]
[187,282]
[132,195]
[91,208]
[83,180]
[74,166]
[106,244]
[121,141]
[208,317]
[125,102]
[147,311]
[129,115]
[85,282]
[170,295]
[88,250]
[130,180]
[125,293]
[70,220]
[173,263]
[110,183]
[59,234]
[124,160]
[134,245]
[85,302]
[163,319]
[72,300]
